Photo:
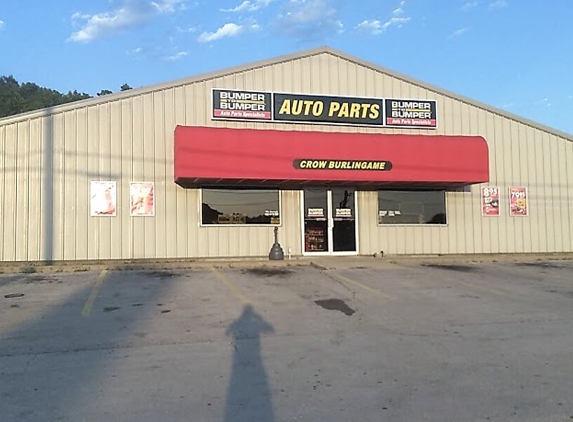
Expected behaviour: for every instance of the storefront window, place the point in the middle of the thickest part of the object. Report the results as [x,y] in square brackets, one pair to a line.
[240,206]
[411,207]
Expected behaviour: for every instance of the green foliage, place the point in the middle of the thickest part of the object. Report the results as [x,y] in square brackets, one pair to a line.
[104,92]
[19,98]
[125,87]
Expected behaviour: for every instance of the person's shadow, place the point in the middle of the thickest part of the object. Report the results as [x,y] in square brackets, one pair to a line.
[249,395]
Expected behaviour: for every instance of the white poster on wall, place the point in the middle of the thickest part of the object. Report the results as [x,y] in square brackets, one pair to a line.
[103,199]
[141,199]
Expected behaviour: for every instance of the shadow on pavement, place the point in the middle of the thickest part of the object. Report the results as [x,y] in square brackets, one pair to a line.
[52,363]
[249,395]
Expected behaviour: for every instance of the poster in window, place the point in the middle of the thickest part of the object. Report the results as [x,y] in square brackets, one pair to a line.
[141,199]
[490,201]
[518,202]
[103,199]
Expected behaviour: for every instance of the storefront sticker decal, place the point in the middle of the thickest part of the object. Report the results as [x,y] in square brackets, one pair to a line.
[490,201]
[141,199]
[103,199]
[315,212]
[343,212]
[518,202]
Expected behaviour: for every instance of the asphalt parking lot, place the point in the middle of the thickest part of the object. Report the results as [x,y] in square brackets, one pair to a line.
[433,342]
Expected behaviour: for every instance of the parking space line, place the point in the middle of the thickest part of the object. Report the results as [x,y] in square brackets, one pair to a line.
[342,279]
[95,290]
[231,287]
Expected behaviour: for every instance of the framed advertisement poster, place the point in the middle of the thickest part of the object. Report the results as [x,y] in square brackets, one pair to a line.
[490,201]
[103,199]
[518,206]
[141,199]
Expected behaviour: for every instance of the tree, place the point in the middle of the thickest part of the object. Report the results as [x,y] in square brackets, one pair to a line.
[104,92]
[125,87]
[18,98]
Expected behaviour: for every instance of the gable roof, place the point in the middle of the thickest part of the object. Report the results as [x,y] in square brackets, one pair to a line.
[277,60]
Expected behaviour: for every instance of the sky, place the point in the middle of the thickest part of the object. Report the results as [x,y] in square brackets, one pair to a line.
[516,55]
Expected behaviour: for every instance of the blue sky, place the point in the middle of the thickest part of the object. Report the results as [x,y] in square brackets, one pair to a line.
[513,54]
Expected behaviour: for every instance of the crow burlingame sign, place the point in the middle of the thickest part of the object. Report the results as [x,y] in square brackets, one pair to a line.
[319,164]
[320,109]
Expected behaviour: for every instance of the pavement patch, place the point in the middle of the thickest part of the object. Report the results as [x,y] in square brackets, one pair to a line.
[453,267]
[335,305]
[111,308]
[159,274]
[268,272]
[14,295]
[540,264]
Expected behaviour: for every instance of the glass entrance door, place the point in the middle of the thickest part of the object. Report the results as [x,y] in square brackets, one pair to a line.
[329,221]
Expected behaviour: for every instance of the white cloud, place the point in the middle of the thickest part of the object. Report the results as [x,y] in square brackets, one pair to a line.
[168,6]
[227,30]
[130,14]
[177,56]
[459,32]
[249,6]
[1,24]
[309,19]
[135,51]
[500,4]
[376,27]
[188,30]
[469,5]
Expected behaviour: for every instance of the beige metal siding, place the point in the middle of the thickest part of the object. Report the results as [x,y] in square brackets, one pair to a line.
[49,160]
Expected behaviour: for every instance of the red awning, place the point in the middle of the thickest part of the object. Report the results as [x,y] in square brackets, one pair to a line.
[206,155]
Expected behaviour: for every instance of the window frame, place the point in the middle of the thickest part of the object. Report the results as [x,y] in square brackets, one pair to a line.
[379,224]
[201,224]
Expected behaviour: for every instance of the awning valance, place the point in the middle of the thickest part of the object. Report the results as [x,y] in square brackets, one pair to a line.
[207,155]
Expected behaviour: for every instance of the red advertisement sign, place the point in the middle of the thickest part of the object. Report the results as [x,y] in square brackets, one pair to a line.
[490,201]
[518,202]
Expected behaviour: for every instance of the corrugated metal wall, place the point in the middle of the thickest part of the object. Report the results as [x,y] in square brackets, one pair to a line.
[49,160]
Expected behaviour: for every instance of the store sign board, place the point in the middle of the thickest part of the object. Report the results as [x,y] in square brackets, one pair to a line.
[518,202]
[411,113]
[230,104]
[241,105]
[323,109]
[490,201]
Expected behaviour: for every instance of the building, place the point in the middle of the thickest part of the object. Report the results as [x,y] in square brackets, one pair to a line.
[343,156]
